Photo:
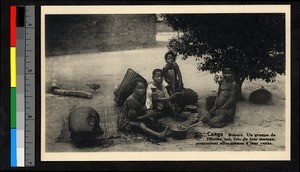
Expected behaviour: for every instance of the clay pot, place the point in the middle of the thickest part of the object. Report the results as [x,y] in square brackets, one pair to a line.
[180,132]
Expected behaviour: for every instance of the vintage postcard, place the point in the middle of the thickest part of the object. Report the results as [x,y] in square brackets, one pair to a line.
[165,83]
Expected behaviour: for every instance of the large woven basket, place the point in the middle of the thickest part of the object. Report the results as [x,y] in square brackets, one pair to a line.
[125,90]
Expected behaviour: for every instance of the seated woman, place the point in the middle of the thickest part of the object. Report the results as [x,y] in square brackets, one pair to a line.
[225,105]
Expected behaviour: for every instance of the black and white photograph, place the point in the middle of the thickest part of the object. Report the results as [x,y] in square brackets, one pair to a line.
[166,82]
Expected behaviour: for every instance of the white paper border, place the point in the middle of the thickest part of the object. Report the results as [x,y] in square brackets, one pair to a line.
[170,156]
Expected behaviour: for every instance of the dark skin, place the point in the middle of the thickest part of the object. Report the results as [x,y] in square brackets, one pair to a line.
[228,78]
[138,93]
[228,75]
[170,59]
[158,79]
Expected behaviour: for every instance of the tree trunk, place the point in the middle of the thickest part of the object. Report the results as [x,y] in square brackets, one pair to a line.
[239,83]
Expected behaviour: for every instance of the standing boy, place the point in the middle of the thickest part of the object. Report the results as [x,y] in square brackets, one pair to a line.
[172,73]
[225,105]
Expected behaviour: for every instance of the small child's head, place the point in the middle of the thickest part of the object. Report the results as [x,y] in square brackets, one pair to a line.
[170,57]
[157,76]
[227,73]
[139,86]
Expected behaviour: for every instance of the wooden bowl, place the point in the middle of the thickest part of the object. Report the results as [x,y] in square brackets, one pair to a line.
[191,108]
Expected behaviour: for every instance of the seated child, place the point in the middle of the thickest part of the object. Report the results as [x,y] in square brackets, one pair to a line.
[157,97]
[225,105]
[134,116]
[172,73]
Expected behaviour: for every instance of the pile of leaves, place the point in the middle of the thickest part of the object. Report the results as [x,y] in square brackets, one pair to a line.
[260,96]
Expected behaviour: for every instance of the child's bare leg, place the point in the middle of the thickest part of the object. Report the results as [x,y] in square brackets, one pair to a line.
[142,126]
[172,107]
[206,117]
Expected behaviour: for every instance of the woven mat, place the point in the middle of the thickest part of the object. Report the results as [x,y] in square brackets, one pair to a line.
[108,122]
[187,120]
[109,117]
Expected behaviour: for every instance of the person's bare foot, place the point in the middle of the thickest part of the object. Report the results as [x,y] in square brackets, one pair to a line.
[168,132]
[163,135]
[206,117]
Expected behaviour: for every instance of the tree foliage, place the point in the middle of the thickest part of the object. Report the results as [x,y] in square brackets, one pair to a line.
[252,44]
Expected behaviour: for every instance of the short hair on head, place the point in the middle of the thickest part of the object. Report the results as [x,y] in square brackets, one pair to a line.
[225,68]
[170,53]
[137,80]
[155,71]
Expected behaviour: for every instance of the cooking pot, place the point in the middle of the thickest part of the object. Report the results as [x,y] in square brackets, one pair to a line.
[179,132]
[191,108]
